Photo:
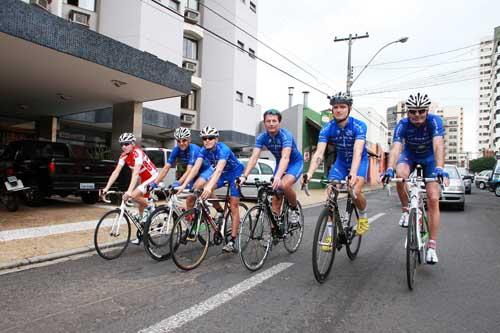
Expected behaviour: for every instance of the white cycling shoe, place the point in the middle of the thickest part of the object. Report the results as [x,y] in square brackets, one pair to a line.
[403,221]
[431,256]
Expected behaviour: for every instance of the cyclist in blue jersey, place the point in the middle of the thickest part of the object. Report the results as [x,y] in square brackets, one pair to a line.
[348,134]
[418,139]
[186,153]
[227,168]
[289,163]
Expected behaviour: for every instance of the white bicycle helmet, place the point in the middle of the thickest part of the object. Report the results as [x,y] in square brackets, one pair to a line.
[182,133]
[341,98]
[209,131]
[418,101]
[126,137]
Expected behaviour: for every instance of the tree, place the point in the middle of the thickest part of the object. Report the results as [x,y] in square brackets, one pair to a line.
[483,163]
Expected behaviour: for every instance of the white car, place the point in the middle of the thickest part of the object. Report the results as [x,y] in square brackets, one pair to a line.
[159,156]
[263,171]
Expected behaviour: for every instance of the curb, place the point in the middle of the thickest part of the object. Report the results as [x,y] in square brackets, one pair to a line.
[72,252]
[45,258]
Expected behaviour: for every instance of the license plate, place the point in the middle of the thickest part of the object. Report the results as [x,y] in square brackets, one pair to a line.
[19,186]
[87,186]
[12,179]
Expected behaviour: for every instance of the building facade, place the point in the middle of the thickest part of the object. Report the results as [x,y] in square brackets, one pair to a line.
[393,116]
[223,81]
[453,122]
[489,94]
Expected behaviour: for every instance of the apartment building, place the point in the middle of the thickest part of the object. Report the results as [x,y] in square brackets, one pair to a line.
[222,87]
[453,122]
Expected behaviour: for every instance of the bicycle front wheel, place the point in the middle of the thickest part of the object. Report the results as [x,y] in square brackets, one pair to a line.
[189,240]
[411,249]
[254,241]
[295,231]
[324,245]
[354,240]
[157,230]
[112,235]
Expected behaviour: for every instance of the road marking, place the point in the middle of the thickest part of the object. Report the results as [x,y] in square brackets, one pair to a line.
[15,234]
[375,217]
[198,310]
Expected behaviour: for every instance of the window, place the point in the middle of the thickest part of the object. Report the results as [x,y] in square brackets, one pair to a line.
[241,45]
[190,49]
[254,170]
[253,7]
[85,4]
[189,101]
[266,169]
[193,4]
[239,96]
[250,101]
[251,52]
[173,4]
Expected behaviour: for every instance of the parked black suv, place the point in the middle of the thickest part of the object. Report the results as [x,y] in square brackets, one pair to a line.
[54,168]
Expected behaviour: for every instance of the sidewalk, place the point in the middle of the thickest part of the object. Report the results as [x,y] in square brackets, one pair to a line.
[34,235]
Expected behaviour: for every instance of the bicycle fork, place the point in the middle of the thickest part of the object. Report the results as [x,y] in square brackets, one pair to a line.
[115,227]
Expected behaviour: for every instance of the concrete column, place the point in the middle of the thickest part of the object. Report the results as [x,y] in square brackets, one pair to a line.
[127,117]
[47,128]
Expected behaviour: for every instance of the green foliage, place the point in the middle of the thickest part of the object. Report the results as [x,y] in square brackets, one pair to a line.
[483,163]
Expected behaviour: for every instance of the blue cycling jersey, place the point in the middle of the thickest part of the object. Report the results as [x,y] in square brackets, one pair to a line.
[187,156]
[418,140]
[276,143]
[344,138]
[220,152]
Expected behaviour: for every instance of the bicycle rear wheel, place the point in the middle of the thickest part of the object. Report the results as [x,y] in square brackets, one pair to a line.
[157,230]
[354,241]
[187,246]
[112,235]
[255,237]
[324,246]
[295,232]
[411,249]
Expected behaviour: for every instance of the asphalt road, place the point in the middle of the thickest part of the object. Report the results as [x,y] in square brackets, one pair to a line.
[134,293]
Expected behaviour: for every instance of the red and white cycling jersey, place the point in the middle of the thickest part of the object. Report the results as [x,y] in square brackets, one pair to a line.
[137,156]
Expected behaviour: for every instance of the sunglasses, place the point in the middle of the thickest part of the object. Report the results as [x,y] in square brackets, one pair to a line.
[125,144]
[182,141]
[209,138]
[419,111]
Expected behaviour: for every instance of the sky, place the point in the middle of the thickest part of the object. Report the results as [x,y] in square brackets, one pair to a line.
[304,32]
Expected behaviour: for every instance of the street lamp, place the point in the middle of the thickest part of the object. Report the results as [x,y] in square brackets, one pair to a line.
[401,40]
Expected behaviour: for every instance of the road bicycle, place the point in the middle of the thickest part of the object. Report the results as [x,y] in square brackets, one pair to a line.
[417,235]
[261,228]
[112,232]
[335,230]
[197,228]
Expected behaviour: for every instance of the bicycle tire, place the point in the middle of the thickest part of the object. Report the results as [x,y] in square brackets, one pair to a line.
[321,271]
[354,241]
[156,236]
[110,246]
[294,236]
[181,247]
[411,249]
[254,234]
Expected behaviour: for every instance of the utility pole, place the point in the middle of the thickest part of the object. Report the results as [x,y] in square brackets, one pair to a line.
[349,67]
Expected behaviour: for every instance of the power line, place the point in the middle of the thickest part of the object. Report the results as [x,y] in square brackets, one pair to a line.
[426,66]
[263,43]
[423,57]
[243,50]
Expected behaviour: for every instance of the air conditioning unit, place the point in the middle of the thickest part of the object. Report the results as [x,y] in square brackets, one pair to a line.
[40,3]
[79,17]
[187,118]
[191,16]
[189,65]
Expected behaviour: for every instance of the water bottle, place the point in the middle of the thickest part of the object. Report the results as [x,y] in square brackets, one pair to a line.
[218,218]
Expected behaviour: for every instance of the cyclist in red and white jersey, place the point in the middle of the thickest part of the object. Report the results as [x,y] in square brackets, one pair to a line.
[142,168]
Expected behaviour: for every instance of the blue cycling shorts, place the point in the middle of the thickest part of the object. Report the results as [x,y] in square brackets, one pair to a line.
[428,163]
[231,178]
[294,169]
[340,169]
